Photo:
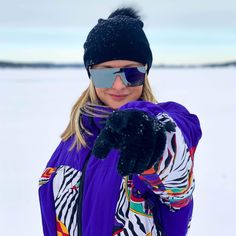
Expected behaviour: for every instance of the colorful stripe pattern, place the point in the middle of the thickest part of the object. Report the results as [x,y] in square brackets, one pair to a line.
[61,229]
[172,179]
[46,175]
[132,217]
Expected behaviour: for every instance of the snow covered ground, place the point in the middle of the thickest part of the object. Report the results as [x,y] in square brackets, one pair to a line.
[35,105]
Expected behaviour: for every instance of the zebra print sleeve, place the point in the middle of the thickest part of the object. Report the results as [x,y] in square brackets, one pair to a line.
[46,195]
[172,178]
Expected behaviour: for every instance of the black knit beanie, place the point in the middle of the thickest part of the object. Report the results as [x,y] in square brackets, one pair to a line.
[120,37]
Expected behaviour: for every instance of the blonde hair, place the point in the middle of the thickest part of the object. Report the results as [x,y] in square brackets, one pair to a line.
[88,103]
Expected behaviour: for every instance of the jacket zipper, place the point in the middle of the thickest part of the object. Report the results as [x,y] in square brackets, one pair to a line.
[80,198]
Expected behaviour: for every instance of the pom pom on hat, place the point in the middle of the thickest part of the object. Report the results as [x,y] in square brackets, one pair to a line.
[119,37]
[131,12]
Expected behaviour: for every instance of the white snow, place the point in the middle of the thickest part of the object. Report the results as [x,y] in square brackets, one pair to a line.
[35,106]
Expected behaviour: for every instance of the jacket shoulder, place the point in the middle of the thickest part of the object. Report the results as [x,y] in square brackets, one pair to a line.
[62,154]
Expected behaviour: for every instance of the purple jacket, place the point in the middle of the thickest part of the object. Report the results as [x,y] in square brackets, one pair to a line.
[82,195]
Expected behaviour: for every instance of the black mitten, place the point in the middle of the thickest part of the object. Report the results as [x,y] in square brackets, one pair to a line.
[140,138]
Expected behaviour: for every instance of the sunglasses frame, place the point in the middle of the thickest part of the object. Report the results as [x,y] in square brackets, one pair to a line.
[107,82]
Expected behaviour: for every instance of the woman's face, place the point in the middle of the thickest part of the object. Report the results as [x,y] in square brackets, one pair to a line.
[119,94]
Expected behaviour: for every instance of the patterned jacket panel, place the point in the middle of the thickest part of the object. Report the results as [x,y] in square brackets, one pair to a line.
[171,179]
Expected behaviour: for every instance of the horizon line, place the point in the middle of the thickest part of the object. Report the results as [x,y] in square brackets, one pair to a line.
[7,63]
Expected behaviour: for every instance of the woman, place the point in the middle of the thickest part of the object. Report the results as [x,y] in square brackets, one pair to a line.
[125,162]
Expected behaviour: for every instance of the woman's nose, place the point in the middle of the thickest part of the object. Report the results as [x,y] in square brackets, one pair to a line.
[118,83]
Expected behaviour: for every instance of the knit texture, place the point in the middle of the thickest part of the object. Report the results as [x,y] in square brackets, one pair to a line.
[120,37]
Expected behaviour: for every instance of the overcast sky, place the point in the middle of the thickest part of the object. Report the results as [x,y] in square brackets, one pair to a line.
[55,30]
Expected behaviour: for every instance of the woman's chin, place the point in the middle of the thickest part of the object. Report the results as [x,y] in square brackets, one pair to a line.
[114,104]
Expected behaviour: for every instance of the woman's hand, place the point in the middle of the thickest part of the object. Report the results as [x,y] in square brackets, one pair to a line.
[140,138]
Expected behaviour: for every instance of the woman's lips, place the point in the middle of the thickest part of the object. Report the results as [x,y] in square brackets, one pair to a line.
[118,97]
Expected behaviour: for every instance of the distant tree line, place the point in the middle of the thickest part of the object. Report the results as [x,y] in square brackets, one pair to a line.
[4,64]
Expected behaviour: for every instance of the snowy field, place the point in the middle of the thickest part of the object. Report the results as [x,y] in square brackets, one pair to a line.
[35,105]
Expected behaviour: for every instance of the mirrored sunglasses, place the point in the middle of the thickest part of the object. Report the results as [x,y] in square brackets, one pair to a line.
[105,77]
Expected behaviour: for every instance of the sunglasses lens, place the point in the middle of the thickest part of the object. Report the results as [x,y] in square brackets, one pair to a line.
[105,77]
[135,76]
[102,78]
